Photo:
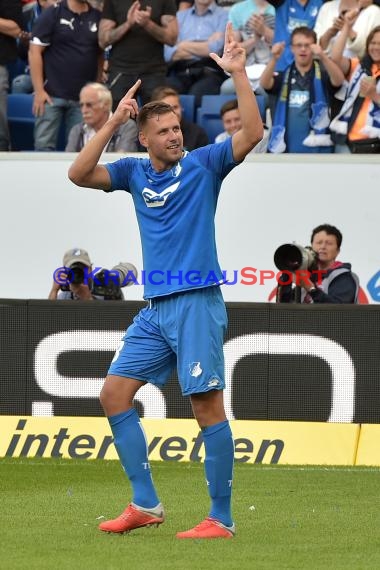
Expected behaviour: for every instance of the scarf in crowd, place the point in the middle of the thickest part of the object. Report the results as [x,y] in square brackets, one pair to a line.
[319,120]
[340,123]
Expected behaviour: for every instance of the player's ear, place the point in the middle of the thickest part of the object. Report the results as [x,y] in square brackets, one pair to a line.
[142,139]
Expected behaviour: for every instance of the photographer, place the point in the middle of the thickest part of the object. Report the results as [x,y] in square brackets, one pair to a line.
[76,281]
[329,281]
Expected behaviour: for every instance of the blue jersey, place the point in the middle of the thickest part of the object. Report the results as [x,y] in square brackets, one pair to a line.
[290,14]
[175,211]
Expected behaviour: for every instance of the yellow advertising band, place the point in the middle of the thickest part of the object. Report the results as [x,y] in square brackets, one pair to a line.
[292,443]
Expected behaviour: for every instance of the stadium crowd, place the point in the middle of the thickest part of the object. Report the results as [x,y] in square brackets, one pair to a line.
[316,65]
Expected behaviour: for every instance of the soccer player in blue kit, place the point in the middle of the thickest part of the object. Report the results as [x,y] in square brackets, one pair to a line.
[175,195]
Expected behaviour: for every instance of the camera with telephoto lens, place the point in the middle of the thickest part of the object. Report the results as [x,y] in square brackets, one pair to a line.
[293,257]
[75,275]
[108,283]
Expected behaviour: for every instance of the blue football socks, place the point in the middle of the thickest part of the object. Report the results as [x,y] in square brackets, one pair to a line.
[131,446]
[219,460]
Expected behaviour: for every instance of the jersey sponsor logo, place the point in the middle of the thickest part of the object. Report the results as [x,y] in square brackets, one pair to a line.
[298,98]
[69,23]
[157,200]
[294,22]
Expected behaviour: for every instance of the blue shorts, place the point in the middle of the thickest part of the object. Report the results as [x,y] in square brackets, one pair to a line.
[186,329]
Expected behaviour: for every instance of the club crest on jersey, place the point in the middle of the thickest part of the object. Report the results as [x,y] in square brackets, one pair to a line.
[154,200]
[195,369]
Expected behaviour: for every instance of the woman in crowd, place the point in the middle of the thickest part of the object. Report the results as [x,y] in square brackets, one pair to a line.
[357,125]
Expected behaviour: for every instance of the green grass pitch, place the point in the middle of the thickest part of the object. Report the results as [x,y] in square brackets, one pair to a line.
[312,518]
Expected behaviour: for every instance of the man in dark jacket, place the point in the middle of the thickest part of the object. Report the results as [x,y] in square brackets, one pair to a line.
[10,30]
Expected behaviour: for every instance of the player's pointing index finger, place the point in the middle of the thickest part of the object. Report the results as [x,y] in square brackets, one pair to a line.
[131,92]
[229,34]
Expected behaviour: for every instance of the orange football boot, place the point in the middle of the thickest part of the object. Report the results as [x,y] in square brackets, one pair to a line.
[209,528]
[134,517]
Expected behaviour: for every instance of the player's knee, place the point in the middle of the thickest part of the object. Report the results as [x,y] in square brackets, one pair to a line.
[107,395]
[208,407]
[103,396]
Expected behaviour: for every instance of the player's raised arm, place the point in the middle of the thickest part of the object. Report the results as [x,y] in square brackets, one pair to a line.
[85,170]
[233,61]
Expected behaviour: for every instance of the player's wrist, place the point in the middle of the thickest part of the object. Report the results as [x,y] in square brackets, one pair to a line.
[236,73]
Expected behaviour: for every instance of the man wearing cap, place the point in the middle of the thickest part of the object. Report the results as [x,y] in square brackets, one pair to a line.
[70,281]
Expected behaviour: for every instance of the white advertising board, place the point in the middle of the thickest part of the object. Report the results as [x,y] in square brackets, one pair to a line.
[265,202]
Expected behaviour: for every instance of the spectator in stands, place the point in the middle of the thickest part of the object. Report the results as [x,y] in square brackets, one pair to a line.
[292,14]
[330,21]
[95,101]
[357,126]
[253,23]
[229,113]
[137,35]
[30,13]
[230,116]
[194,136]
[10,29]
[330,281]
[303,90]
[78,281]
[201,31]
[63,57]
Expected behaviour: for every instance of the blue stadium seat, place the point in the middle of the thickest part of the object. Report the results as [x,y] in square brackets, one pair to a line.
[212,124]
[15,68]
[188,106]
[21,121]
[208,114]
[213,103]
